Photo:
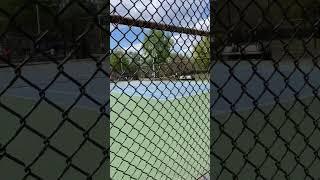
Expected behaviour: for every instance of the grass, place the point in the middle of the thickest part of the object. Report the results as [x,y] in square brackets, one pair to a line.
[159,138]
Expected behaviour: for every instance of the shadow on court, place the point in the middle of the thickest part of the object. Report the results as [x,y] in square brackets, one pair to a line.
[44,118]
[257,135]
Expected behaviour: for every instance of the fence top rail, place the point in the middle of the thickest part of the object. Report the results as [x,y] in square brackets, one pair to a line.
[115,19]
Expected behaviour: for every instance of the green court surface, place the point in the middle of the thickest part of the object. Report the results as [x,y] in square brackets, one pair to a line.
[34,111]
[294,124]
[159,139]
[170,139]
[25,140]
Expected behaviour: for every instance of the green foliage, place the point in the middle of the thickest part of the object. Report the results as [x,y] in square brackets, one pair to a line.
[135,57]
[128,64]
[119,62]
[201,54]
[136,60]
[157,46]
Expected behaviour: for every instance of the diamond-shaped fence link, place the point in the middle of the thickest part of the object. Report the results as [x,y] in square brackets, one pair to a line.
[264,83]
[159,89]
[53,89]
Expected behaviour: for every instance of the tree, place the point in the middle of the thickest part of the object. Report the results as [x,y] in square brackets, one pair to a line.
[135,57]
[201,54]
[136,60]
[157,46]
[119,62]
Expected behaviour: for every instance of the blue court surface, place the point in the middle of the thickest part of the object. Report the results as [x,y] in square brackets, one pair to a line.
[161,90]
[61,87]
[237,85]
[243,85]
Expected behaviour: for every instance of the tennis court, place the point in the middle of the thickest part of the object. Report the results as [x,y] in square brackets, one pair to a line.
[145,113]
[156,126]
[159,129]
[169,102]
[161,90]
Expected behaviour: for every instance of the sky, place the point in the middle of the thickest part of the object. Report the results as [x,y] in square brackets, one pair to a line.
[184,13]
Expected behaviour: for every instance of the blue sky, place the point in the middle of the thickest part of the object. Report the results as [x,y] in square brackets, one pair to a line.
[185,13]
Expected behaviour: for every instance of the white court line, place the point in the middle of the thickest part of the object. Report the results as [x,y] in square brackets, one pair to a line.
[161,97]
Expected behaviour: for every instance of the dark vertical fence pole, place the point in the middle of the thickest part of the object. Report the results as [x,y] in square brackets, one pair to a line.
[106,48]
[213,163]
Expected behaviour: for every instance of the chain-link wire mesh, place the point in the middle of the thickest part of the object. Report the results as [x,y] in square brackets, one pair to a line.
[159,89]
[264,84]
[53,89]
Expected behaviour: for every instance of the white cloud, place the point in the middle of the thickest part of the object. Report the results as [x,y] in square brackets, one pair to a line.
[183,43]
[185,13]
[112,27]
[186,42]
[203,24]
[134,47]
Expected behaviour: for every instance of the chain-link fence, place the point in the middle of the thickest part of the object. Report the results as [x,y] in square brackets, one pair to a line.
[263,87]
[53,89]
[264,84]
[159,89]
